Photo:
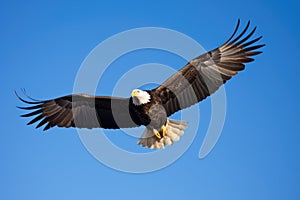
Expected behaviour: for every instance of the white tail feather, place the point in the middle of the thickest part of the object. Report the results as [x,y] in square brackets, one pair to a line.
[174,128]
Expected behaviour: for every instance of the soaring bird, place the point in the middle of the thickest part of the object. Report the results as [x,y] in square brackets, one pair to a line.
[197,80]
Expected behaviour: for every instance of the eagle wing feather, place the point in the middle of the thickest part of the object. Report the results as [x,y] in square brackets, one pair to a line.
[203,75]
[82,111]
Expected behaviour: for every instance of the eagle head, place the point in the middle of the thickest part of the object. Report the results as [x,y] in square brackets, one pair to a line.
[140,97]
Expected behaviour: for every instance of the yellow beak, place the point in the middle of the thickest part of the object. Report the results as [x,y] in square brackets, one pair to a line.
[133,93]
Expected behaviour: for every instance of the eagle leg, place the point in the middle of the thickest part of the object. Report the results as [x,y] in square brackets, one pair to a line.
[156,133]
[162,133]
[164,130]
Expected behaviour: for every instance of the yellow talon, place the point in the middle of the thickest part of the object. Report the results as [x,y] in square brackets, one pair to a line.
[156,133]
[164,130]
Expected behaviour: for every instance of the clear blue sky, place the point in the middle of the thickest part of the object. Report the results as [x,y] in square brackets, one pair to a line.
[257,156]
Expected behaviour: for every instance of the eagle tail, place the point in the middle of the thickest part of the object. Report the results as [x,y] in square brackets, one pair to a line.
[173,130]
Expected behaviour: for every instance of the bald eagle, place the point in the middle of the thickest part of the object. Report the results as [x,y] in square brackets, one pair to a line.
[198,79]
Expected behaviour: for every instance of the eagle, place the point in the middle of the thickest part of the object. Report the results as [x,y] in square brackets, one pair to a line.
[197,80]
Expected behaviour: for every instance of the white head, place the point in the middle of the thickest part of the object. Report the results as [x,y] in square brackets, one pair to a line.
[140,97]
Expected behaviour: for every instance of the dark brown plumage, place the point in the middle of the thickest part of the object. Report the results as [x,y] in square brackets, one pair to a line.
[203,75]
[82,111]
[197,80]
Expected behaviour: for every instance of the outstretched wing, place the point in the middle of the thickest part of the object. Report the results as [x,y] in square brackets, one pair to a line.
[203,75]
[82,111]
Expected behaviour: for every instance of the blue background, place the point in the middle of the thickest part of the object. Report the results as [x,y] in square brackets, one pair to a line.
[257,156]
